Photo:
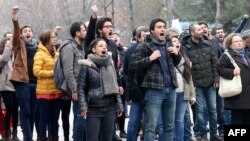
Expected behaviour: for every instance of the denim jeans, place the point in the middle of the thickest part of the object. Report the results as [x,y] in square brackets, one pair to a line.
[205,117]
[209,94]
[135,117]
[78,124]
[220,112]
[187,126]
[227,117]
[159,100]
[26,95]
[181,107]
[49,115]
[100,123]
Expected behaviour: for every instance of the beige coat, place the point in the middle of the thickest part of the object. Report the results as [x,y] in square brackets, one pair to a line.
[7,59]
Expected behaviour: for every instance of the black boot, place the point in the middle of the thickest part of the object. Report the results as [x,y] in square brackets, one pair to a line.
[43,139]
[14,136]
[66,138]
[8,135]
[55,138]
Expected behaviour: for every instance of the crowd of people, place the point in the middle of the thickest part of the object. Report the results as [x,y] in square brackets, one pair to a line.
[163,75]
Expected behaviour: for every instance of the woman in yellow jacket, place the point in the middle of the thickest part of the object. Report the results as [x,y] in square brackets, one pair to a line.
[47,94]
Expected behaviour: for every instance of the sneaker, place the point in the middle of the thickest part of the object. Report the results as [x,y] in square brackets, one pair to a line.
[126,115]
[198,137]
[116,138]
[221,134]
[215,138]
[123,134]
[204,138]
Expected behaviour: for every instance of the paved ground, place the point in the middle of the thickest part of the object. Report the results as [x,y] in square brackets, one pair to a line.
[20,135]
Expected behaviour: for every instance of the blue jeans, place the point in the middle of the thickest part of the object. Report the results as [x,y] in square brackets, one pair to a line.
[135,117]
[100,123]
[187,126]
[181,107]
[227,117]
[26,95]
[220,112]
[78,124]
[209,94]
[49,116]
[159,101]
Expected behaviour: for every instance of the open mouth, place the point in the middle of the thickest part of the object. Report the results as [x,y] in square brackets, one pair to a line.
[104,52]
[110,33]
[162,35]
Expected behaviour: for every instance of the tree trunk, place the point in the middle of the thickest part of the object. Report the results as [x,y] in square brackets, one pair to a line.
[113,12]
[169,13]
[105,8]
[131,16]
[218,13]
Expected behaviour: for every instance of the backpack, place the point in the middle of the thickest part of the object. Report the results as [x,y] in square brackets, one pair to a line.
[59,77]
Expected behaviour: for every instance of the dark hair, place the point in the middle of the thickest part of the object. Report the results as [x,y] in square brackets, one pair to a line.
[76,26]
[153,23]
[93,44]
[2,44]
[25,26]
[44,37]
[187,67]
[100,23]
[203,22]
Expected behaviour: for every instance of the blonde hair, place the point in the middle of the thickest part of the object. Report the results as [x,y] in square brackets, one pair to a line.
[228,39]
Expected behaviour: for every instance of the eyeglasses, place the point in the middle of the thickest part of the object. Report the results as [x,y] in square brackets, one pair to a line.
[108,26]
[240,41]
[53,37]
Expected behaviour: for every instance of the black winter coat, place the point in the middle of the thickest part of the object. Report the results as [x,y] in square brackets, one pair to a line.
[203,60]
[90,92]
[225,69]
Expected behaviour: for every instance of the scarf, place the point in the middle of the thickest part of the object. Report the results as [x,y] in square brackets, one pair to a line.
[108,76]
[241,54]
[31,46]
[157,41]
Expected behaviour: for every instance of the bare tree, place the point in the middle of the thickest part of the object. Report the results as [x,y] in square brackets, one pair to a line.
[218,13]
[169,12]
[131,16]
[113,11]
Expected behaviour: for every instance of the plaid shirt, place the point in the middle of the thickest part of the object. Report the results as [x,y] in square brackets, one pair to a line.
[153,73]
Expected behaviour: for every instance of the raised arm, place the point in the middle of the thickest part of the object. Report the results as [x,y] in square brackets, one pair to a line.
[16,34]
[242,24]
[92,26]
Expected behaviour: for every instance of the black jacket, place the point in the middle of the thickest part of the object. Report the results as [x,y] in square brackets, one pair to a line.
[225,69]
[203,60]
[90,92]
[133,80]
